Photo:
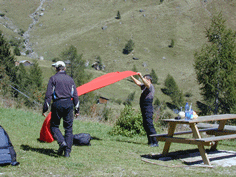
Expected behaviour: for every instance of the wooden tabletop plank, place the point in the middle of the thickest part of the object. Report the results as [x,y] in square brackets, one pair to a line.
[207,125]
[203,119]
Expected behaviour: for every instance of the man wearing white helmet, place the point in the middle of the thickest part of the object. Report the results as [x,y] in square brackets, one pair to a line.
[62,90]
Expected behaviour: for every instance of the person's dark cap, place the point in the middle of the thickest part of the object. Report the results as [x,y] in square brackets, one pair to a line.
[148,76]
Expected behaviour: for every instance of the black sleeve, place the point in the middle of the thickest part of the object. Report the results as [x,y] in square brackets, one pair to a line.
[48,95]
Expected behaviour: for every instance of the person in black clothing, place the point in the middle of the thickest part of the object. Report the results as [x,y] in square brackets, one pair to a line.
[145,102]
[62,90]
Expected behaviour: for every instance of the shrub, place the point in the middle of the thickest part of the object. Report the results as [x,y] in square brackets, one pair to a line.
[129,99]
[17,51]
[118,15]
[87,102]
[173,91]
[21,32]
[118,101]
[157,102]
[129,47]
[165,114]
[15,42]
[129,123]
[106,113]
[172,43]
[154,77]
[27,52]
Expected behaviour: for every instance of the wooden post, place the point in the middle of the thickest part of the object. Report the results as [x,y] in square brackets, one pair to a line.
[171,131]
[201,148]
[221,127]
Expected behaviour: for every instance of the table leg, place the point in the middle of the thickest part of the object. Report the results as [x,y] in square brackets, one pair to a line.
[204,155]
[221,127]
[201,148]
[171,131]
[195,131]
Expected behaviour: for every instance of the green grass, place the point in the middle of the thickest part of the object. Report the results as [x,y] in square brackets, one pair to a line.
[109,156]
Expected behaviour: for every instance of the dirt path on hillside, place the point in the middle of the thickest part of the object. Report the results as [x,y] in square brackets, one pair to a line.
[35,17]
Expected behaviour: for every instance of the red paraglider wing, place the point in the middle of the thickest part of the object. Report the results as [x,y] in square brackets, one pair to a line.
[45,133]
[103,81]
[97,83]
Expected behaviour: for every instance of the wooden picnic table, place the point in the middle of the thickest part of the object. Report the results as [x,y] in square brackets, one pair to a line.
[219,132]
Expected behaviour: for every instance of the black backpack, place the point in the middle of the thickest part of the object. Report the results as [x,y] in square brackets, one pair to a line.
[82,139]
[7,152]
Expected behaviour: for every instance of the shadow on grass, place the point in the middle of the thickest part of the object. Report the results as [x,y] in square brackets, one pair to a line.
[95,138]
[49,152]
[183,154]
[172,155]
[131,142]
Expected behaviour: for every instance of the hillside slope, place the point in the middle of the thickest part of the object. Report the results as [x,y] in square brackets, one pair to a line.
[149,23]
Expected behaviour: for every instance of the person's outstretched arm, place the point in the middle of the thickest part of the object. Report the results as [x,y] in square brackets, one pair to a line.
[145,81]
[136,81]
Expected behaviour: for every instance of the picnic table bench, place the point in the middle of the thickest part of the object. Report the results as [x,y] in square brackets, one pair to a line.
[218,130]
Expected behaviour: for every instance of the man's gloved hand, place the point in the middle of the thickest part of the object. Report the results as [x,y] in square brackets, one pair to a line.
[76,112]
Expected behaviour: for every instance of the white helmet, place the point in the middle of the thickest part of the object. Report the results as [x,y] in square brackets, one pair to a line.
[59,63]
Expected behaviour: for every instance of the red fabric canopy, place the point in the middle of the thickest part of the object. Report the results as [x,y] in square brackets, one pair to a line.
[45,133]
[103,81]
[97,83]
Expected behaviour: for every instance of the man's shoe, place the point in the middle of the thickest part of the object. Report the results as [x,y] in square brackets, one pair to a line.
[15,163]
[154,145]
[62,148]
[67,154]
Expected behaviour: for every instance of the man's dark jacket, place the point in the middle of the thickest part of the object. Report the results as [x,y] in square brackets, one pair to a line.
[61,86]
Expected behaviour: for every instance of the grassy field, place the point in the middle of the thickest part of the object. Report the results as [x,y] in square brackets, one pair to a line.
[108,156]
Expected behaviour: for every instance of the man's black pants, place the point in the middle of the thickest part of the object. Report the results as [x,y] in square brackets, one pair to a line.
[62,108]
[147,114]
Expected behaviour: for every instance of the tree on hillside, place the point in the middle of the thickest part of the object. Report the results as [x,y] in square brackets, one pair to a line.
[70,55]
[22,76]
[7,60]
[173,91]
[36,86]
[154,77]
[129,99]
[17,51]
[36,75]
[76,68]
[4,81]
[118,15]
[216,68]
[172,43]
[129,47]
[29,83]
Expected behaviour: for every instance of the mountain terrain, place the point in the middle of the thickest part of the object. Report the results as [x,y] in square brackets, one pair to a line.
[48,27]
